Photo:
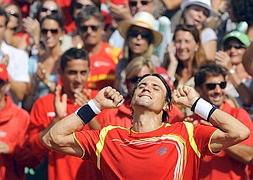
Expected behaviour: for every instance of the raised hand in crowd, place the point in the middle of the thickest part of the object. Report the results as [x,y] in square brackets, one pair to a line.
[32,27]
[223,59]
[119,11]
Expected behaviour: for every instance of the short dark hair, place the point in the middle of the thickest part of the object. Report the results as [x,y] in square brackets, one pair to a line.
[71,54]
[206,70]
[165,114]
[54,17]
[3,13]
[88,12]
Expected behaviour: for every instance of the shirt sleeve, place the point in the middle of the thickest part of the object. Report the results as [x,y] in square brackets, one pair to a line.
[207,35]
[202,136]
[244,118]
[87,140]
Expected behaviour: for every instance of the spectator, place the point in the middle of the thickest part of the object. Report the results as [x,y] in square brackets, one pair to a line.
[231,163]
[75,7]
[16,61]
[141,37]
[161,23]
[184,55]
[14,34]
[43,68]
[103,57]
[32,26]
[14,123]
[173,150]
[74,70]
[196,12]
[234,46]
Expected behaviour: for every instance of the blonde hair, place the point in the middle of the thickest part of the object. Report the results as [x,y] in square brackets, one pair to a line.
[137,64]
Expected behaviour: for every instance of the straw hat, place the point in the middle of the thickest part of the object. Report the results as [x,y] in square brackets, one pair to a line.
[141,19]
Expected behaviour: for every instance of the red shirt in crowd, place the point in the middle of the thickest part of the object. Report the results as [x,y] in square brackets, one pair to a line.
[172,151]
[14,122]
[222,166]
[102,66]
[60,166]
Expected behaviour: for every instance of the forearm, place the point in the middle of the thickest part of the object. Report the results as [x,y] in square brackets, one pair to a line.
[19,89]
[234,130]
[240,152]
[58,135]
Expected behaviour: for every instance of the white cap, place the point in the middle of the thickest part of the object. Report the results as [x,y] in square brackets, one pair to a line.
[203,3]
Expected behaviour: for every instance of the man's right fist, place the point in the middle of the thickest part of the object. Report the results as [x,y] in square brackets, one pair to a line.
[108,97]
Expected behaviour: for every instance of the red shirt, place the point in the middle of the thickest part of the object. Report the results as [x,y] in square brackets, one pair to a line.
[14,122]
[222,166]
[172,151]
[62,167]
[102,66]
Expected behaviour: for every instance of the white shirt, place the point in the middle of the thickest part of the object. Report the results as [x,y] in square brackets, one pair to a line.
[18,63]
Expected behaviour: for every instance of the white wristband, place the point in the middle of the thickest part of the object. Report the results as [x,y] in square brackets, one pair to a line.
[93,106]
[203,108]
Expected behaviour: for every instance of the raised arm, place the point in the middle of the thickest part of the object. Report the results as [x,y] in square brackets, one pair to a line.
[59,136]
[230,131]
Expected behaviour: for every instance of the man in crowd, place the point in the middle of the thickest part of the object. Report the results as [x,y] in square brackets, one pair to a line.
[74,70]
[13,128]
[231,163]
[103,57]
[155,149]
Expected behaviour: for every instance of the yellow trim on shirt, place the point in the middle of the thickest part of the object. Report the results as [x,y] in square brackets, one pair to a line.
[190,130]
[79,145]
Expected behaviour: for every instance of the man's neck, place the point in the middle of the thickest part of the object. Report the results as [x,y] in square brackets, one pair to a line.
[2,102]
[147,121]
[92,49]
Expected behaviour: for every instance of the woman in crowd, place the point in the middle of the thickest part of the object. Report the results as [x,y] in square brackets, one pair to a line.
[43,68]
[184,55]
[196,13]
[235,44]
[140,39]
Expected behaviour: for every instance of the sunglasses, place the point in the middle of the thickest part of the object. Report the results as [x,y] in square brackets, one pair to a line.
[84,28]
[14,14]
[13,28]
[212,86]
[230,46]
[134,3]
[53,11]
[53,31]
[79,5]
[144,34]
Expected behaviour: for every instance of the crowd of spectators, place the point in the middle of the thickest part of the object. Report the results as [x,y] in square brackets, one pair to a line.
[75,48]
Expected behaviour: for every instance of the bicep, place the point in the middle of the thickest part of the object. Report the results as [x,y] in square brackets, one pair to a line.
[68,145]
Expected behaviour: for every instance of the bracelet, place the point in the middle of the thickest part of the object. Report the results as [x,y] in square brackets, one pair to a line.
[203,108]
[87,112]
